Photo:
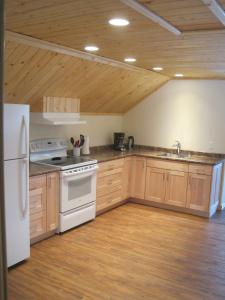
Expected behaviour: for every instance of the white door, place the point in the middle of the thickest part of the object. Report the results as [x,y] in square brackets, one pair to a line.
[16,131]
[17,210]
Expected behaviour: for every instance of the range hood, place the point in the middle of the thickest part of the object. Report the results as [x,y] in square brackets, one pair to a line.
[53,118]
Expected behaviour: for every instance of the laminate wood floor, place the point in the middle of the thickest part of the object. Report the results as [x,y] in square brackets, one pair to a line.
[132,252]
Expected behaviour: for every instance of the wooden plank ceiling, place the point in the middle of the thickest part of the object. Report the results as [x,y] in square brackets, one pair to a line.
[197,53]
[31,73]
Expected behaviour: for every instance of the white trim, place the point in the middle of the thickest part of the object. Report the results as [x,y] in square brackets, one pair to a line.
[41,44]
[217,9]
[152,16]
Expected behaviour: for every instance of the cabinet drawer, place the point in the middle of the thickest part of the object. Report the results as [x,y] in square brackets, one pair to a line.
[110,167]
[108,200]
[36,182]
[37,200]
[37,224]
[200,169]
[168,165]
[109,184]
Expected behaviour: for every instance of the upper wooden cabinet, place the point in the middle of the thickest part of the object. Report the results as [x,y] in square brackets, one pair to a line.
[60,104]
[138,177]
[176,188]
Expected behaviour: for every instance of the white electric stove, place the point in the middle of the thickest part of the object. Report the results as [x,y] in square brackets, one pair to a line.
[77,181]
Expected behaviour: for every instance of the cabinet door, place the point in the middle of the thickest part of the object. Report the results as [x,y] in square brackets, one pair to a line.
[127,177]
[138,177]
[199,189]
[176,188]
[37,206]
[52,201]
[155,185]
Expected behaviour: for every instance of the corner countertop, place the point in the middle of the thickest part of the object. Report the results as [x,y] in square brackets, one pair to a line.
[107,155]
[38,169]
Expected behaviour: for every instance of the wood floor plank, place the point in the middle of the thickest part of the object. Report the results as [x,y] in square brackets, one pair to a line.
[132,252]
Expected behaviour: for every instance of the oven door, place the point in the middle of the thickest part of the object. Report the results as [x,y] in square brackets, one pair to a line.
[77,190]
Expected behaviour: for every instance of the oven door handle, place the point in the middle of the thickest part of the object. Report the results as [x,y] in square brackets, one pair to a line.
[79,175]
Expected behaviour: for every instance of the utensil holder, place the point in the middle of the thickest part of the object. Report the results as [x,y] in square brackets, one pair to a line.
[76,151]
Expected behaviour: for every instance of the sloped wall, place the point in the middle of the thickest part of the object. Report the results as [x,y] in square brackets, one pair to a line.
[192,111]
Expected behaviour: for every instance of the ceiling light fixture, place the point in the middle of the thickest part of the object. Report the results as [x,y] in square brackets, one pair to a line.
[91,48]
[119,22]
[179,75]
[157,68]
[130,59]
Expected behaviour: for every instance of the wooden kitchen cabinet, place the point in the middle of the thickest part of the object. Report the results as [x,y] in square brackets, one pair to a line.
[44,202]
[138,177]
[38,202]
[176,188]
[109,191]
[204,188]
[127,177]
[155,185]
[52,201]
[199,189]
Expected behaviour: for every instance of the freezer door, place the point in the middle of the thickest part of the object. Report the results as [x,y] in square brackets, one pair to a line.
[16,131]
[17,210]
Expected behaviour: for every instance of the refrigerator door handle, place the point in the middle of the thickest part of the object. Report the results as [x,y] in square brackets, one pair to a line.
[25,191]
[24,124]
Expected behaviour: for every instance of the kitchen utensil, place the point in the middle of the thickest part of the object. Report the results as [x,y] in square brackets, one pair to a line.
[130,143]
[76,151]
[86,145]
[81,140]
[72,141]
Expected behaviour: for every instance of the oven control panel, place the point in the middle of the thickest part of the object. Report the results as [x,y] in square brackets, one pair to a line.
[80,170]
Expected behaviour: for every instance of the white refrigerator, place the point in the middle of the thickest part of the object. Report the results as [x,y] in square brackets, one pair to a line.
[16,177]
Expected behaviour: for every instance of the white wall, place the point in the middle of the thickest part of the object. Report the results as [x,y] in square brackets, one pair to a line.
[192,111]
[99,128]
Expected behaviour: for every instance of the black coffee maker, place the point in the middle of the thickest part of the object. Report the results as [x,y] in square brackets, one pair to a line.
[119,141]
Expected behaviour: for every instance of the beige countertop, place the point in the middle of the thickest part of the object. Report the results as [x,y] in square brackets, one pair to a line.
[107,155]
[38,169]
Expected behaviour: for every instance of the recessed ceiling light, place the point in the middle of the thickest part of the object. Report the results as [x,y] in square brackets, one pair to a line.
[91,48]
[179,75]
[119,22]
[157,68]
[130,59]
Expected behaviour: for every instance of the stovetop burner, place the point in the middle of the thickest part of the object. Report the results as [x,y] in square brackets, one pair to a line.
[68,162]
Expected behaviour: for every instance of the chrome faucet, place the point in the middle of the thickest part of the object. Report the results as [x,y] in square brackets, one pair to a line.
[178,146]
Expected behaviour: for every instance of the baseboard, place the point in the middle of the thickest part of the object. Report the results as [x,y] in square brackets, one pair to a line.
[169,207]
[102,211]
[42,237]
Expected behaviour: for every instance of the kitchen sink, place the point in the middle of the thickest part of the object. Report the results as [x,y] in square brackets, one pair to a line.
[173,155]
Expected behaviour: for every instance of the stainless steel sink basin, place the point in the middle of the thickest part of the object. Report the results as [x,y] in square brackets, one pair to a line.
[172,155]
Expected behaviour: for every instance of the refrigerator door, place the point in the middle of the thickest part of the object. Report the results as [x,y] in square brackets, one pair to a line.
[17,210]
[16,131]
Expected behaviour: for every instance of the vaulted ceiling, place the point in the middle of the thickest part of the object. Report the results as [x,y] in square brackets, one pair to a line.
[197,53]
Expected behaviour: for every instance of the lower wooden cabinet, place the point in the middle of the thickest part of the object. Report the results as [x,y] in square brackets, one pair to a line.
[44,203]
[163,186]
[192,187]
[127,177]
[109,190]
[155,188]
[176,188]
[52,201]
[138,177]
